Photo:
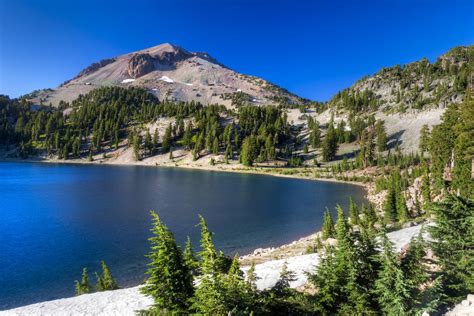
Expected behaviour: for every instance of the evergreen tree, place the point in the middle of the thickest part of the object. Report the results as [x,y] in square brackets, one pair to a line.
[334,285]
[239,295]
[155,140]
[188,135]
[464,149]
[136,141]
[215,146]
[252,277]
[381,136]
[315,136]
[189,257]
[83,287]
[249,151]
[228,152]
[415,269]
[209,296]
[426,186]
[391,286]
[424,138]
[170,281]
[282,286]
[106,281]
[328,225]
[329,145]
[148,143]
[453,240]
[390,206]
[166,144]
[353,212]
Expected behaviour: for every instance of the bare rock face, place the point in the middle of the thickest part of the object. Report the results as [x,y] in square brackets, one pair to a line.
[140,64]
[172,57]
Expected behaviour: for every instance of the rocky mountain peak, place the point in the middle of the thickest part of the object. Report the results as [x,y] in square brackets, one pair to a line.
[171,72]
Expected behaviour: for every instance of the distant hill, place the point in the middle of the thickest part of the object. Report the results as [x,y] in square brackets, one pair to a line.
[171,73]
[419,85]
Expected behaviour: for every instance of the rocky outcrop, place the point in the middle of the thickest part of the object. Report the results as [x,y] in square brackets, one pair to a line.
[173,56]
[140,64]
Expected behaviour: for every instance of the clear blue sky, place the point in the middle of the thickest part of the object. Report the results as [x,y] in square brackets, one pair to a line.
[312,48]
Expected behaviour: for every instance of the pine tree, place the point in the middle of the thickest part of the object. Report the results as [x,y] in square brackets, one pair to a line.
[453,240]
[353,212]
[270,153]
[426,186]
[106,281]
[381,136]
[187,137]
[166,144]
[415,270]
[148,142]
[252,277]
[390,206]
[215,146]
[282,286]
[239,294]
[329,145]
[391,286]
[170,281]
[424,138]
[155,140]
[402,209]
[83,287]
[136,141]
[209,296]
[333,282]
[228,152]
[464,149]
[189,257]
[326,281]
[315,136]
[369,215]
[328,225]
[249,151]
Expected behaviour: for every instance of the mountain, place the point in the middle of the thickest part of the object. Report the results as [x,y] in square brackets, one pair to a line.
[418,85]
[173,73]
[405,97]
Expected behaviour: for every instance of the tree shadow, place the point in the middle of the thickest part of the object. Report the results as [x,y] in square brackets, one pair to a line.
[395,139]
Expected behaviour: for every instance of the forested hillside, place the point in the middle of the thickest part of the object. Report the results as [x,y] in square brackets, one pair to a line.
[419,85]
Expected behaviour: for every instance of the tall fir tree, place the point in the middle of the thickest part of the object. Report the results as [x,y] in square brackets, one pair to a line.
[453,240]
[328,225]
[209,296]
[330,145]
[106,281]
[391,286]
[353,212]
[170,282]
[390,206]
[189,257]
[84,286]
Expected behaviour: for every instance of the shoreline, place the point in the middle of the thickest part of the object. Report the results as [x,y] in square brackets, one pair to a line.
[233,168]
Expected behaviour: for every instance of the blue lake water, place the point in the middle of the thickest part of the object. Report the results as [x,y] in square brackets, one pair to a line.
[57,218]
